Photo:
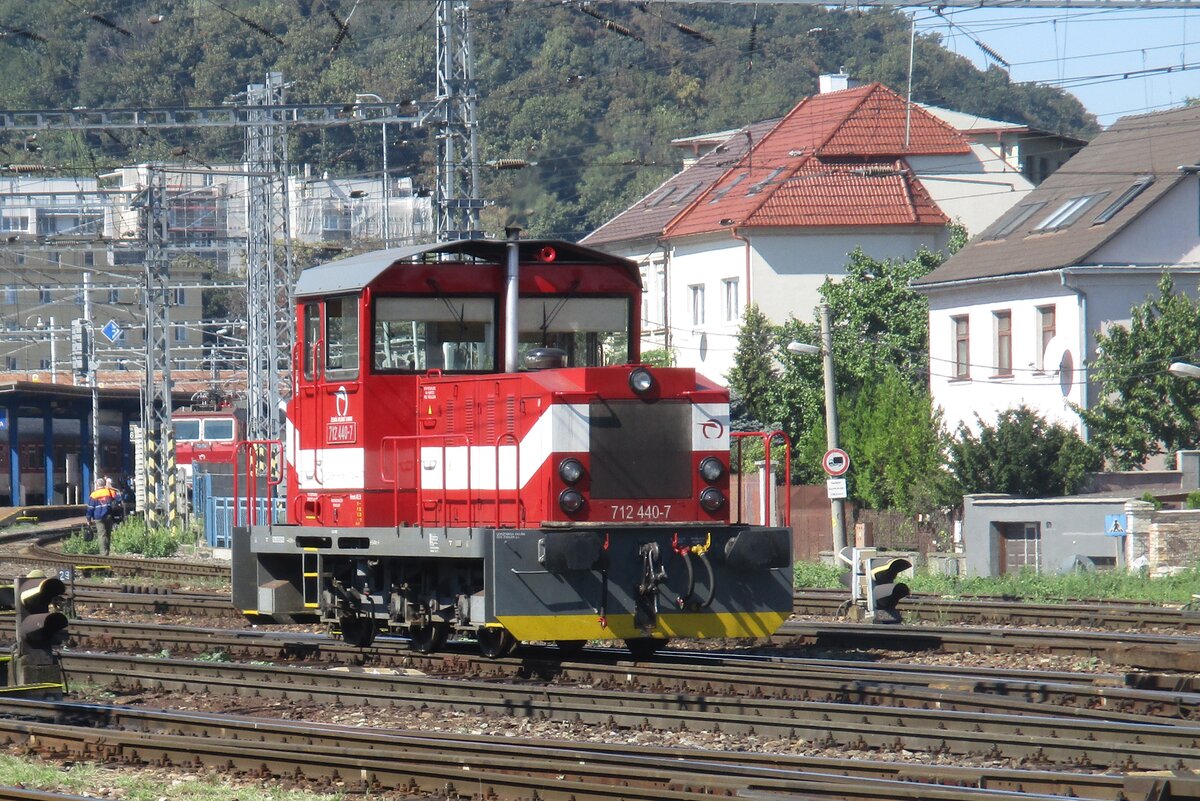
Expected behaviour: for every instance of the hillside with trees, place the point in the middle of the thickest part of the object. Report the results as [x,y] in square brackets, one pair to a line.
[590,95]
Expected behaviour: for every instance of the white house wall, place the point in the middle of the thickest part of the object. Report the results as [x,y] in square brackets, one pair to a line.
[1167,234]
[973,190]
[786,271]
[984,393]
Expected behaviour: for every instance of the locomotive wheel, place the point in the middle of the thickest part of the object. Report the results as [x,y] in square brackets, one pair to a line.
[571,648]
[429,638]
[495,642]
[644,647]
[358,631]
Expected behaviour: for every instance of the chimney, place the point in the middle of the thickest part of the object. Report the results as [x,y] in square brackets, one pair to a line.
[836,82]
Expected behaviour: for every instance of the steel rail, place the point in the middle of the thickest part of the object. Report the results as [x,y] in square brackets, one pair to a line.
[1097,613]
[1080,738]
[765,677]
[510,768]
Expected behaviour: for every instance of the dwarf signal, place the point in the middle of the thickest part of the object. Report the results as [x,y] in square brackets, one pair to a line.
[40,627]
[874,589]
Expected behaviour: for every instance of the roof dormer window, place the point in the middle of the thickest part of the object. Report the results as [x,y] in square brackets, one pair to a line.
[1070,211]
[1124,199]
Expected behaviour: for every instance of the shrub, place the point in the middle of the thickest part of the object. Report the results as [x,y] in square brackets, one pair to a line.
[1149,498]
[1193,500]
[78,545]
[810,575]
[133,536]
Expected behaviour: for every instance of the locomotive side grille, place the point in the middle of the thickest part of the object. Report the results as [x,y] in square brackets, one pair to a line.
[510,419]
[451,427]
[641,450]
[491,418]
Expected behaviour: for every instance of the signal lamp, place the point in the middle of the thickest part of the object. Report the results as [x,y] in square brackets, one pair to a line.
[570,470]
[570,500]
[711,468]
[711,499]
[886,592]
[547,254]
[640,380]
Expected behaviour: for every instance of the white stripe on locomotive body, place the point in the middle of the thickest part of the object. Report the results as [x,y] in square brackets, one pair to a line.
[561,428]
[710,427]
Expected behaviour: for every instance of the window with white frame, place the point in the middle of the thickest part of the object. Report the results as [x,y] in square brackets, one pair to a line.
[1047,327]
[697,293]
[732,302]
[1003,321]
[962,347]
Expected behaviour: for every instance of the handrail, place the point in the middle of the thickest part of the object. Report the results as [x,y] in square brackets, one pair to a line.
[244,454]
[516,479]
[768,469]
[391,447]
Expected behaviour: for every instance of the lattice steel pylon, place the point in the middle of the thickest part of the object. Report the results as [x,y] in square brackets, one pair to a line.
[158,430]
[456,196]
[270,331]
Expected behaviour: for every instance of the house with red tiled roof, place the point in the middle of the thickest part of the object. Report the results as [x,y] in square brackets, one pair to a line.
[1013,316]
[773,209]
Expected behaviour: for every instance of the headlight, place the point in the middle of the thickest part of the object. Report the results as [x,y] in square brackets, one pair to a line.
[570,470]
[571,501]
[640,380]
[711,499]
[711,469]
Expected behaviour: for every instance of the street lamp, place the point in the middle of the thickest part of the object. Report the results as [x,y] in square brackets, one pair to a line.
[385,214]
[1184,370]
[837,505]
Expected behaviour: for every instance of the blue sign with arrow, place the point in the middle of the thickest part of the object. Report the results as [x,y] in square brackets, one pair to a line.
[112,331]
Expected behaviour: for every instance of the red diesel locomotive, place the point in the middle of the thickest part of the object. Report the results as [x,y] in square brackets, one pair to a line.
[473,447]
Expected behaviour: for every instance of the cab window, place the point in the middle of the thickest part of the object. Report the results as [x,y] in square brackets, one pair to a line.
[312,335]
[341,337]
[187,430]
[594,332]
[443,333]
[218,430]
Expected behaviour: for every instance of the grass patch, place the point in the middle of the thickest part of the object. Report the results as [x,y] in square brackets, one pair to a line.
[1030,586]
[132,536]
[84,777]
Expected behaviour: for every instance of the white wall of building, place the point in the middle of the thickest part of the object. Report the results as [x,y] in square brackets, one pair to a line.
[786,270]
[1047,380]
[1166,234]
[971,190]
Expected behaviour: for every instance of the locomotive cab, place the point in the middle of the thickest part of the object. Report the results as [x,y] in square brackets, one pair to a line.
[473,447]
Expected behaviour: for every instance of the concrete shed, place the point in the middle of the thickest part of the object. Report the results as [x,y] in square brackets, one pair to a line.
[1003,534]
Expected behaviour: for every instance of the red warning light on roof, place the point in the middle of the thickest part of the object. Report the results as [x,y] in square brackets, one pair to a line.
[547,254]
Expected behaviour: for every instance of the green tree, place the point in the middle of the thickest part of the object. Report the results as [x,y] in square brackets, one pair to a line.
[879,323]
[753,375]
[897,447]
[1143,409]
[879,330]
[1023,455]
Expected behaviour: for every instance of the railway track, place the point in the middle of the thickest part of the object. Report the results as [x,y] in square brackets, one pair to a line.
[1096,613]
[1081,737]
[440,765]
[764,676]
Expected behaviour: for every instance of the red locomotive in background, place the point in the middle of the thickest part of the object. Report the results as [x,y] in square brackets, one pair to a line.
[473,447]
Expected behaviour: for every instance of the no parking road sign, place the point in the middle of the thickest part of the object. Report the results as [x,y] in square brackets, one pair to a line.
[836,462]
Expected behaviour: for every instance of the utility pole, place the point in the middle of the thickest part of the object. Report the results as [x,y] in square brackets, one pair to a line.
[456,196]
[837,505]
[156,412]
[90,351]
[270,333]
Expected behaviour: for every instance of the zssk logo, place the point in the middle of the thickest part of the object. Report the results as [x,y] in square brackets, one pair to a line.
[342,402]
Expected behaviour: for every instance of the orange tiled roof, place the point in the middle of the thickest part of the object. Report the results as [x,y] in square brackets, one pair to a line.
[835,159]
